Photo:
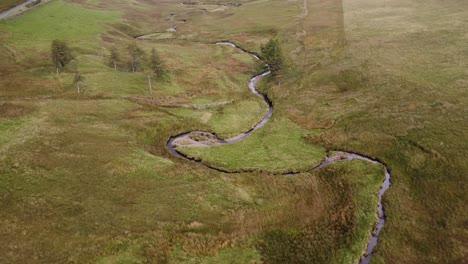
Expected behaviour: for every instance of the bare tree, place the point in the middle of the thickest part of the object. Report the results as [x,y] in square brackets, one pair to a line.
[77,80]
[150,86]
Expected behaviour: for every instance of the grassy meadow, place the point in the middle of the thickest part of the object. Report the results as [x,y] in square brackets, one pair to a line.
[87,178]
[279,147]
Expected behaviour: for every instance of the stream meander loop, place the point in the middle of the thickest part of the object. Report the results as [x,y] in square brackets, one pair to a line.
[187,140]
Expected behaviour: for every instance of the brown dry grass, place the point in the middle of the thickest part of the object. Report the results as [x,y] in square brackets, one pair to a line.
[77,186]
[7,4]
[403,66]
[9,110]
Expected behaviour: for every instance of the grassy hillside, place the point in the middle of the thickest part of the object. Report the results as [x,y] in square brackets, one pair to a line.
[392,77]
[58,20]
[87,177]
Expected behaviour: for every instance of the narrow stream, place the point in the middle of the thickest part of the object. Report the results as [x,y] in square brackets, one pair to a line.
[206,139]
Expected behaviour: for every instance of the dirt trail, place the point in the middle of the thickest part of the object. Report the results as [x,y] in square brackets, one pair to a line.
[206,139]
[14,9]
[306,10]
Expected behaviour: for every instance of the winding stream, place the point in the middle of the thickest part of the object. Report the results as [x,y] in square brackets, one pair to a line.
[192,139]
[206,139]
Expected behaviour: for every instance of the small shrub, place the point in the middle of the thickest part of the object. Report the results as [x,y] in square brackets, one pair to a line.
[351,79]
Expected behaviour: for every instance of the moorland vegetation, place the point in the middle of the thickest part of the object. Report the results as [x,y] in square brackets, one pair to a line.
[87,177]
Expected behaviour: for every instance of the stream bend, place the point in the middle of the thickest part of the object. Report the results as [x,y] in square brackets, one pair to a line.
[206,139]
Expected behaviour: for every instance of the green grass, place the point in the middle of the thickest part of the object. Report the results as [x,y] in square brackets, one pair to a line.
[29,67]
[407,110]
[246,19]
[58,20]
[240,117]
[277,147]
[366,183]
[126,256]
[341,234]
[109,194]
[159,36]
[228,255]
[8,127]
[230,120]
[225,74]
[84,179]
[17,131]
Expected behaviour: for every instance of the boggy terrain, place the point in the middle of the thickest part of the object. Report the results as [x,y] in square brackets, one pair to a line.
[87,177]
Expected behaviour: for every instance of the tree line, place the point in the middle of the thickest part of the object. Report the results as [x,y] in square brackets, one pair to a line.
[138,61]
[151,64]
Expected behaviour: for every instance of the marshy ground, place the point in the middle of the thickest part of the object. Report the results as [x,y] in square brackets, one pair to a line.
[87,177]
